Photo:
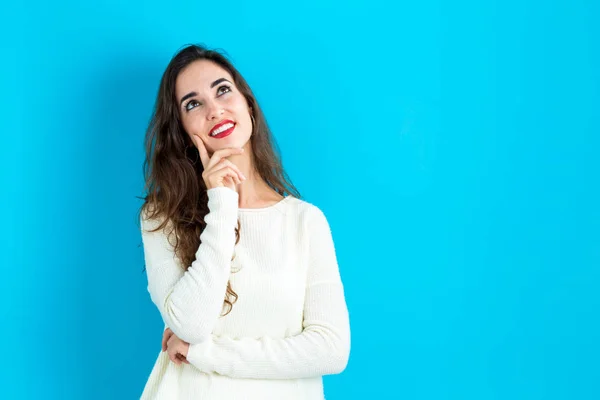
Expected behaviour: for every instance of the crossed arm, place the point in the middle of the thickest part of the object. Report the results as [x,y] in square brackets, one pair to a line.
[190,302]
[321,348]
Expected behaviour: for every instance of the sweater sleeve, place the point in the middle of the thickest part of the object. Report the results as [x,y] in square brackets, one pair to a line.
[190,302]
[323,346]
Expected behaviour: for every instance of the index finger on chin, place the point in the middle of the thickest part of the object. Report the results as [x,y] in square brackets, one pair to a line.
[204,158]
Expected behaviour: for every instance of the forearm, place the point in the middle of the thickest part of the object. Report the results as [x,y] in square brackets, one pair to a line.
[190,302]
[322,348]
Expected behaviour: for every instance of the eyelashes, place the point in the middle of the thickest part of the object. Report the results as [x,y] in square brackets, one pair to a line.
[190,105]
[224,87]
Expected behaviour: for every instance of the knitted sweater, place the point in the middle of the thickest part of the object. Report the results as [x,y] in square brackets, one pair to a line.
[290,324]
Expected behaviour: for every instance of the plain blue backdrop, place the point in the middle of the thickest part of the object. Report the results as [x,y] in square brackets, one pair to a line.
[452,145]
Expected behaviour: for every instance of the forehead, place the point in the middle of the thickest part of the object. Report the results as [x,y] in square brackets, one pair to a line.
[198,76]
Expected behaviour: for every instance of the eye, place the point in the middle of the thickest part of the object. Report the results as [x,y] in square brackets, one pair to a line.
[191,104]
[223,91]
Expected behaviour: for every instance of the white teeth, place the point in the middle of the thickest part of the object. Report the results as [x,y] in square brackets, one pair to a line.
[221,129]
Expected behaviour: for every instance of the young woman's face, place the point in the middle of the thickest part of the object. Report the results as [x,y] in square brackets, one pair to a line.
[207,98]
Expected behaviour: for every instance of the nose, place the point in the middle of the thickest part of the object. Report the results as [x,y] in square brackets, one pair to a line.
[214,111]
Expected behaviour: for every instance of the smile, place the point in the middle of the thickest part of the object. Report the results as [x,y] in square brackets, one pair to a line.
[222,130]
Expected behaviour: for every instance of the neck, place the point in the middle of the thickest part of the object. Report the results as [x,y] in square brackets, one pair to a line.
[254,191]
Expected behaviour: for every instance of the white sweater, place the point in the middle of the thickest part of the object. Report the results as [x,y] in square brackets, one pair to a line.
[290,325]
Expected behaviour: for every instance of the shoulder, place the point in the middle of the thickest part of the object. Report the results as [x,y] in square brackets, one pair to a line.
[306,211]
[149,221]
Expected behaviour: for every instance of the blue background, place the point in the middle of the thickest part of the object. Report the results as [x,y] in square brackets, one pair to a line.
[452,145]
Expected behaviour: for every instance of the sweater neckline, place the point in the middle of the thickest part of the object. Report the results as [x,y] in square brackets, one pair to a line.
[279,203]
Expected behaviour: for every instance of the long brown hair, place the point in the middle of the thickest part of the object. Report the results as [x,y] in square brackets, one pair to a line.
[175,190]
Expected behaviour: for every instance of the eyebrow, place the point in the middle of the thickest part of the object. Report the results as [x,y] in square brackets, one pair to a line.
[212,85]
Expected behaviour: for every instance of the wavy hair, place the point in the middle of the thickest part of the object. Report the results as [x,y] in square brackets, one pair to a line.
[174,189]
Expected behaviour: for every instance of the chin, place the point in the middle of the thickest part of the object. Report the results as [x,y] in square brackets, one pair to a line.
[226,143]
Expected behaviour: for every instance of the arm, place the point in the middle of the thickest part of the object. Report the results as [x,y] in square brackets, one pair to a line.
[190,302]
[322,348]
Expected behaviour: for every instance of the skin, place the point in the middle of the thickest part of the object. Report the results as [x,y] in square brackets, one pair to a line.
[201,112]
[227,161]
[176,348]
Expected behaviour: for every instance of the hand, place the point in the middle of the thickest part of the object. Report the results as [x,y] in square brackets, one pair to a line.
[175,347]
[218,170]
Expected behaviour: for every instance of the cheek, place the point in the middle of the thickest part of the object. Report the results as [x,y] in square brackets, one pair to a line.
[238,103]
[242,112]
[193,123]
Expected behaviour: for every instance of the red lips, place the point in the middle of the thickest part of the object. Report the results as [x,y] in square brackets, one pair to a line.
[217,126]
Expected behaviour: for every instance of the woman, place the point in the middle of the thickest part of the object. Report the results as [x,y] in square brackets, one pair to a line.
[243,272]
